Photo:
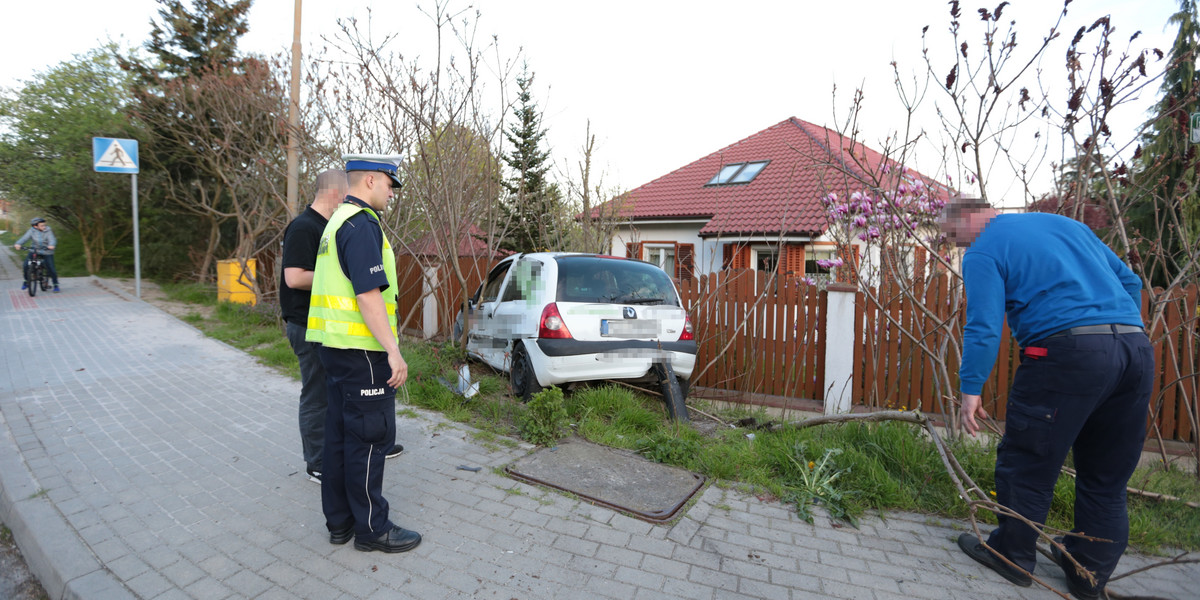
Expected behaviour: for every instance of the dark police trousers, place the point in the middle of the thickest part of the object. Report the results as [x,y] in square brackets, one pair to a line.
[360,428]
[1090,393]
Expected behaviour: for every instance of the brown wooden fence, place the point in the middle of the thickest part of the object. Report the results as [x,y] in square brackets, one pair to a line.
[410,280]
[761,336]
[892,370]
[756,335]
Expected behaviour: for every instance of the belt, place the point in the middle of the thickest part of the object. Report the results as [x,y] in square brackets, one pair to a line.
[1097,330]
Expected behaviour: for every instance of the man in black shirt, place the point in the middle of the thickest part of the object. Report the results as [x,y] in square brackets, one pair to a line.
[300,241]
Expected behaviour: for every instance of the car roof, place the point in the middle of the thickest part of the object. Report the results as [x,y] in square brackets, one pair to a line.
[554,255]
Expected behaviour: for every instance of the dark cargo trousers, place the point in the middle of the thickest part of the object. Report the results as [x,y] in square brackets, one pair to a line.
[314,397]
[360,428]
[1089,393]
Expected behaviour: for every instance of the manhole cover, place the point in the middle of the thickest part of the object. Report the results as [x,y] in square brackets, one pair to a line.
[618,479]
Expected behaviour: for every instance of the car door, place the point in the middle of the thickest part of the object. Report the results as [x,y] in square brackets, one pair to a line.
[482,338]
[517,312]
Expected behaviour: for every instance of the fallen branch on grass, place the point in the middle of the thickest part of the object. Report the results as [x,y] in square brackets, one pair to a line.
[1152,495]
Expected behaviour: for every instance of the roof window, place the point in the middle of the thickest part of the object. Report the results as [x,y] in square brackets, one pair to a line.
[738,173]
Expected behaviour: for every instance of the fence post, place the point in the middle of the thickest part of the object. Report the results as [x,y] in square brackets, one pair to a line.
[429,306]
[839,347]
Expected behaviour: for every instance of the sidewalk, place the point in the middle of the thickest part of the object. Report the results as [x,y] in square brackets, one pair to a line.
[140,459]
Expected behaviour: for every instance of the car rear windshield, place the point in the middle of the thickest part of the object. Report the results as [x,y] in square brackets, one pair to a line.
[613,281]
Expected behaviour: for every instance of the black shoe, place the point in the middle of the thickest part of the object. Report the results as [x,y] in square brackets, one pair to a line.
[397,539]
[971,546]
[341,536]
[1078,588]
[314,476]
[395,451]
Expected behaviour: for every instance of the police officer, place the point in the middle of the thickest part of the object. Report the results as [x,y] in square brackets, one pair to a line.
[352,314]
[1083,384]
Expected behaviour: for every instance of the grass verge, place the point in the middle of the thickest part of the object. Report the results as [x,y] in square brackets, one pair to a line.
[850,469]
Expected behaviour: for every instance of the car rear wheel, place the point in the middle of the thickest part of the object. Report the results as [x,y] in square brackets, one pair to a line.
[524,382]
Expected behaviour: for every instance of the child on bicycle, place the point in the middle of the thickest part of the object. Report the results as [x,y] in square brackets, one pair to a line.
[41,240]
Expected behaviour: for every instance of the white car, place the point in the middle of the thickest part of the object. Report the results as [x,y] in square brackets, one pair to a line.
[554,318]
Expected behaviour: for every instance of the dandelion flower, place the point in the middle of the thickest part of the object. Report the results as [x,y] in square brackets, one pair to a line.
[993,493]
[812,465]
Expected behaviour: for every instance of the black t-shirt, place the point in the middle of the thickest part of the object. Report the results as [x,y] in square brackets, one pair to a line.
[300,242]
[360,250]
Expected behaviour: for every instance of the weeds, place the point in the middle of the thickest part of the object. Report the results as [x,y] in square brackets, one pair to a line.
[816,482]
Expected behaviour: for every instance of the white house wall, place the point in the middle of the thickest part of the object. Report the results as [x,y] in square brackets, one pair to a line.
[708,250]
[683,233]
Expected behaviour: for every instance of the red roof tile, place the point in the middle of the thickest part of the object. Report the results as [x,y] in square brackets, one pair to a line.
[784,198]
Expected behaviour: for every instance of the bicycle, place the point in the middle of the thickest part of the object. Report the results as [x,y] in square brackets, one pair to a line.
[35,274]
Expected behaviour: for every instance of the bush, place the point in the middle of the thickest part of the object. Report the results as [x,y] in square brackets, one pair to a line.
[545,420]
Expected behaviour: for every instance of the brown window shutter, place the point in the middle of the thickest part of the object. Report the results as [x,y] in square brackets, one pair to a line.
[743,258]
[793,260]
[850,257]
[633,250]
[685,262]
[727,256]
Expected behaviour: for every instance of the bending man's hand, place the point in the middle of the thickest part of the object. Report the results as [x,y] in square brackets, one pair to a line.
[972,406]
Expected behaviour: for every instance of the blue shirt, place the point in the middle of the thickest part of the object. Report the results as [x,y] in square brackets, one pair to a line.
[1047,273]
[360,250]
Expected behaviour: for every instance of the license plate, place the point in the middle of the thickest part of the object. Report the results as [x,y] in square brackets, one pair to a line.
[628,328]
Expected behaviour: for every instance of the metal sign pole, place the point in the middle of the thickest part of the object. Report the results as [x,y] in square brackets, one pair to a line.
[137,246]
[112,155]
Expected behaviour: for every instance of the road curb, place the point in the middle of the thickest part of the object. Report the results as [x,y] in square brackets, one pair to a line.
[52,549]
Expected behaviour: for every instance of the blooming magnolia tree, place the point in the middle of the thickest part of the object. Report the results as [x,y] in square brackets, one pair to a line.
[886,225]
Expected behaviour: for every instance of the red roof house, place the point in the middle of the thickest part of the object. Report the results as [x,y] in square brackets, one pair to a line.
[755,203]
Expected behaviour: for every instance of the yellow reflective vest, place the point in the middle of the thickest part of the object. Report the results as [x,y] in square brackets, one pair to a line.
[334,319]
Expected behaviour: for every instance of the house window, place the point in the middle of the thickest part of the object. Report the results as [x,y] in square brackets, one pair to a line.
[766,259]
[813,269]
[738,173]
[663,256]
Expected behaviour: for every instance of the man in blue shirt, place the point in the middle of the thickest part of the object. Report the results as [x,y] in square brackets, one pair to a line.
[1084,381]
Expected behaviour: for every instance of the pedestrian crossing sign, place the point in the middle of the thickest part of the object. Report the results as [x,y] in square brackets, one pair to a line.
[114,155]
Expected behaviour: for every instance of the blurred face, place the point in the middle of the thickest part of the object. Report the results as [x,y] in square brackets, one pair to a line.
[40,226]
[962,229]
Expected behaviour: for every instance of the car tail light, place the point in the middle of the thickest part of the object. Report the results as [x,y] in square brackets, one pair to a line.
[687,335]
[552,325]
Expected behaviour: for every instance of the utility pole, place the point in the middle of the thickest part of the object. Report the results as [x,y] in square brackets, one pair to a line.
[293,150]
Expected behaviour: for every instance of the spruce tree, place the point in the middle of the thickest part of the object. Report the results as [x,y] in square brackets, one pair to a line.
[1164,218]
[189,41]
[533,205]
[185,41]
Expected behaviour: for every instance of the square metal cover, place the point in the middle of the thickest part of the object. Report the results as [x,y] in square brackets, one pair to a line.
[619,479]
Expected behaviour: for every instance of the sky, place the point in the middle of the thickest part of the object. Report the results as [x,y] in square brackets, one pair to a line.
[662,82]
